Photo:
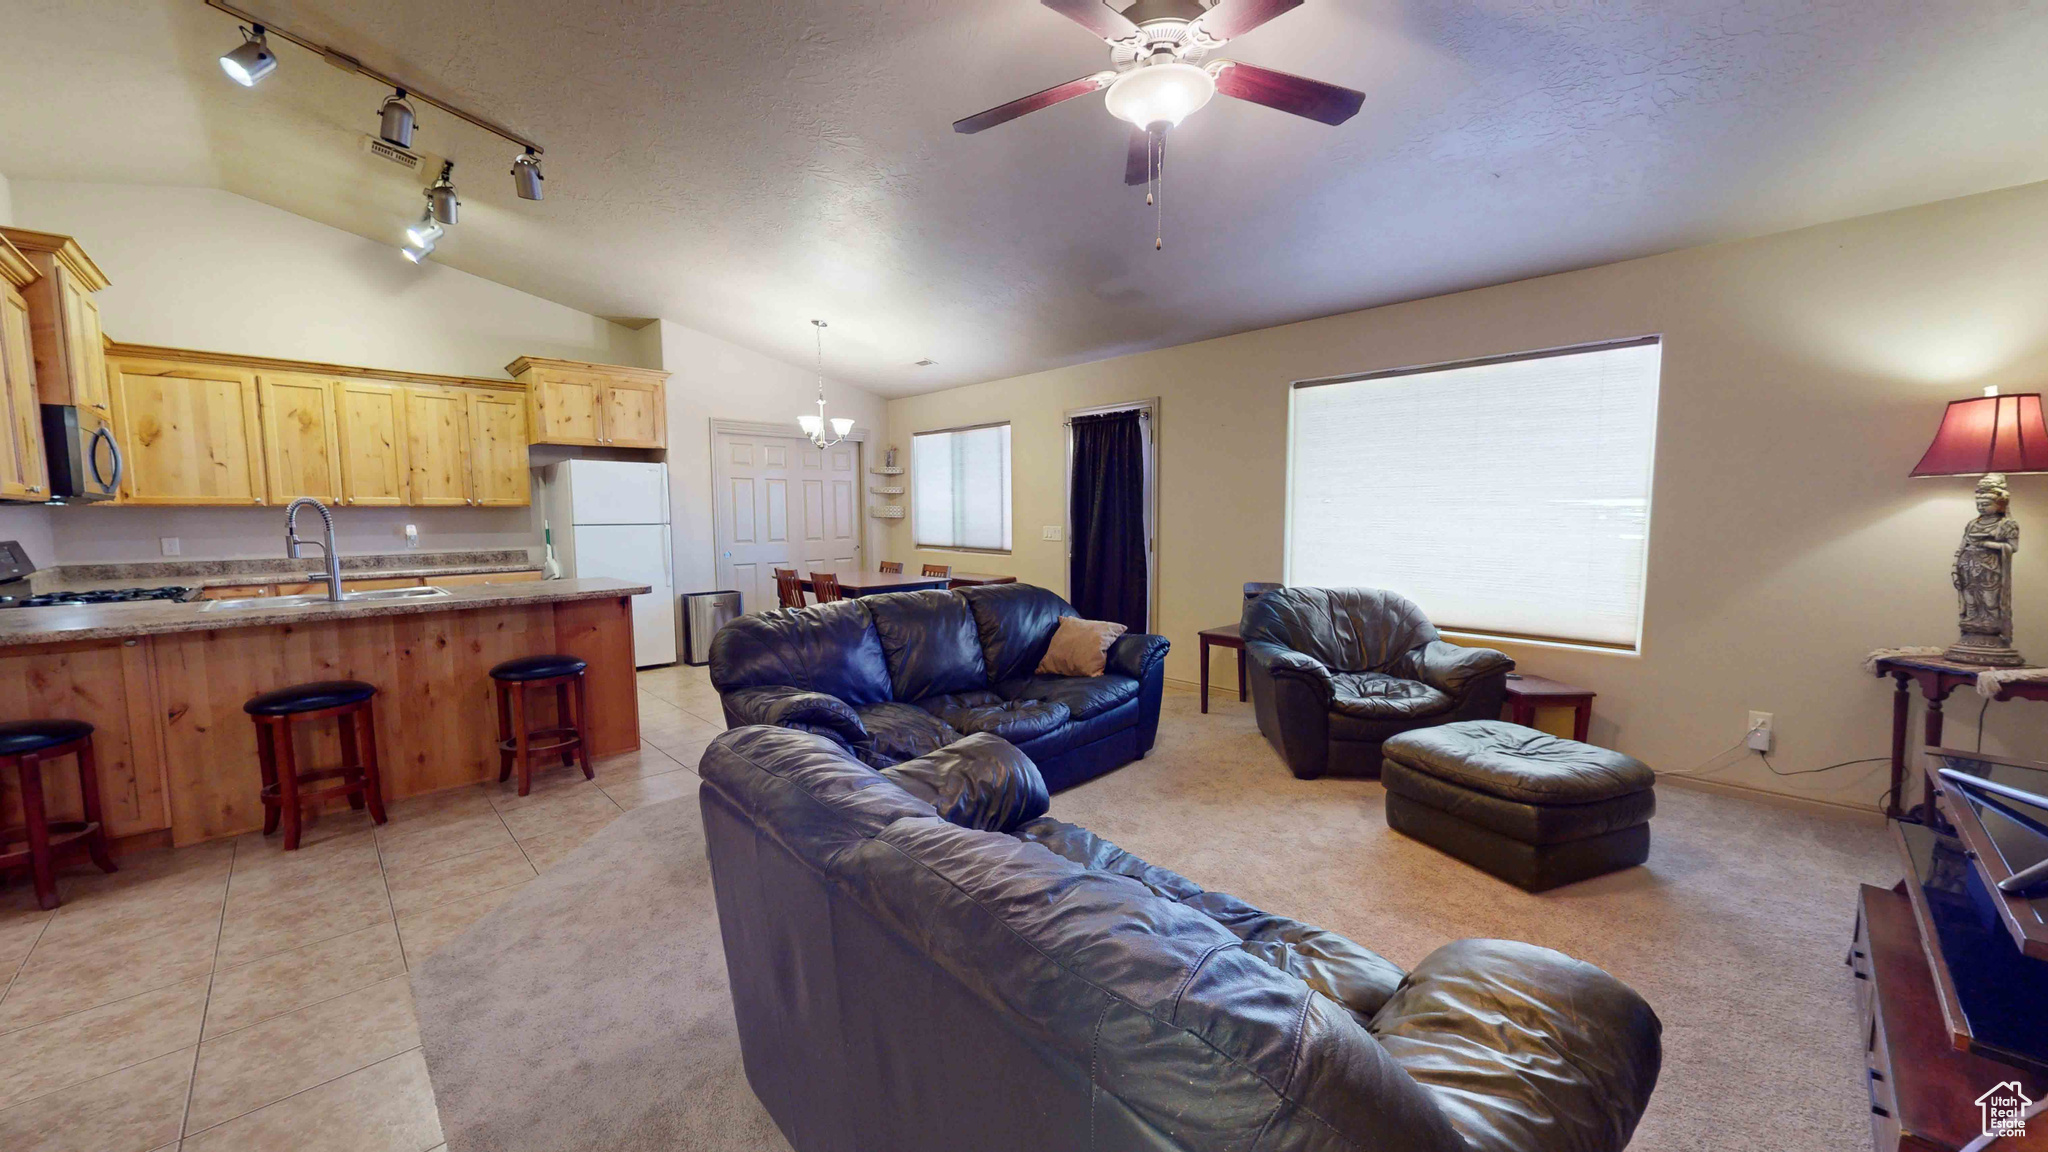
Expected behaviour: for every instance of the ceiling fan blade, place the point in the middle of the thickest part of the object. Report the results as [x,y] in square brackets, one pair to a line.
[1233,18]
[1004,113]
[1298,95]
[1096,16]
[1138,166]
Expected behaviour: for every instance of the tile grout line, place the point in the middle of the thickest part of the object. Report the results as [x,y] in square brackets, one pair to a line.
[324,1083]
[213,971]
[22,964]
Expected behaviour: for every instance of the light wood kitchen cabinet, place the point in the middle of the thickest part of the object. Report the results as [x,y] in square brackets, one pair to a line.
[301,446]
[475,579]
[190,434]
[437,446]
[371,418]
[24,472]
[64,323]
[110,685]
[570,402]
[497,464]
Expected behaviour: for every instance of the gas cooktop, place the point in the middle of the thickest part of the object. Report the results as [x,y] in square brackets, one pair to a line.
[98,596]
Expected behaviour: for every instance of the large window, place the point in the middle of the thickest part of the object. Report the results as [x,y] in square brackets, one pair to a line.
[1508,497]
[960,488]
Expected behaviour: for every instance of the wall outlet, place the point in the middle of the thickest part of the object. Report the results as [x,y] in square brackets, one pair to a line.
[1760,731]
[170,545]
[412,536]
[1051,532]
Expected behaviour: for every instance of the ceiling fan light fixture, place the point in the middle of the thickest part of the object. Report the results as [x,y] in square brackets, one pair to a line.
[1160,94]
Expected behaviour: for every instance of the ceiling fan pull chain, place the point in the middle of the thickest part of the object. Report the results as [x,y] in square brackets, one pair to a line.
[1159,209]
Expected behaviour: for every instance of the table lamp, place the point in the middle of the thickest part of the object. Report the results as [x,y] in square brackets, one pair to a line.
[1988,437]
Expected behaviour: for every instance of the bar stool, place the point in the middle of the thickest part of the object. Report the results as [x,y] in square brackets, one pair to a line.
[348,701]
[515,740]
[25,744]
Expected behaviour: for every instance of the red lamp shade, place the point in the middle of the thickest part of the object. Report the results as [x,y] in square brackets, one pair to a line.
[1990,434]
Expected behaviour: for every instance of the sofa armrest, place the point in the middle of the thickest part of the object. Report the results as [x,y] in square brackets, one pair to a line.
[981,782]
[1452,668]
[1135,653]
[1296,667]
[788,707]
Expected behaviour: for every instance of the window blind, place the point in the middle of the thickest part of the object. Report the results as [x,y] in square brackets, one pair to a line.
[1509,497]
[960,488]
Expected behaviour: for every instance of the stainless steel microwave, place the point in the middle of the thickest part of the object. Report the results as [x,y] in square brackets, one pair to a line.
[85,462]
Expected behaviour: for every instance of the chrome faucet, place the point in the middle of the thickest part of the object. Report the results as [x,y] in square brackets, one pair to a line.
[292,543]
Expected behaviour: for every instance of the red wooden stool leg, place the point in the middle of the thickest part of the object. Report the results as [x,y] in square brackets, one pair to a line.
[89,792]
[504,732]
[351,759]
[373,778]
[583,729]
[266,759]
[287,781]
[40,866]
[562,718]
[519,756]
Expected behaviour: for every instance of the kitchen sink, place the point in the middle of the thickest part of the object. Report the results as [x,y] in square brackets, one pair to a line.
[395,594]
[375,594]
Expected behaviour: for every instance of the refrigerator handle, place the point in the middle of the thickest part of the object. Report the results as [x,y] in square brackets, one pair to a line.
[668,557]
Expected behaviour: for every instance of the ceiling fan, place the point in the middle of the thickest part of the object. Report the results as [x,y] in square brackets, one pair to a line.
[1156,81]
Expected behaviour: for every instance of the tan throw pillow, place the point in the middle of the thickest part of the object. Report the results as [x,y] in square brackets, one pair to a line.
[1079,647]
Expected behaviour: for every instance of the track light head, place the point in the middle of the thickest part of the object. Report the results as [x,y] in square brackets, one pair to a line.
[441,201]
[424,233]
[395,120]
[251,60]
[416,255]
[526,176]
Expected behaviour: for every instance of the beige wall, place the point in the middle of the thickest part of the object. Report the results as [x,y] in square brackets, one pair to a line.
[1803,376]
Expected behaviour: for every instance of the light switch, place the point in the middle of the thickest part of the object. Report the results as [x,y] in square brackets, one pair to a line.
[170,544]
[1051,532]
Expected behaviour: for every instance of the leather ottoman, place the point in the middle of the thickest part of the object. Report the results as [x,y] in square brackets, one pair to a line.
[1527,807]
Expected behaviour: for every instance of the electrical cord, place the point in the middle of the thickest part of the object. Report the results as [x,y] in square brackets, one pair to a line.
[1826,768]
[1980,722]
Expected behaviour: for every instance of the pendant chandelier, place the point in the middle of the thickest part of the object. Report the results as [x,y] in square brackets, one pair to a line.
[814,426]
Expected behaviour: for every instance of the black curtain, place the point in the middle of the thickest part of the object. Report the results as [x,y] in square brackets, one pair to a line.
[1107,574]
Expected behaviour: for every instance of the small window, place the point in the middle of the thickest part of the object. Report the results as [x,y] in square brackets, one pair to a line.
[1508,497]
[960,488]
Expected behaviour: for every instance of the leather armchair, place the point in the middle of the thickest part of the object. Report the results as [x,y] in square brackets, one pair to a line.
[1335,671]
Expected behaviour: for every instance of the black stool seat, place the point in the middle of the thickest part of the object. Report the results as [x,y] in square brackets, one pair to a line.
[538,668]
[20,736]
[309,697]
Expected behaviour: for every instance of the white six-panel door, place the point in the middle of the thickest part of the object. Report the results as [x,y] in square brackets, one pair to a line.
[783,503]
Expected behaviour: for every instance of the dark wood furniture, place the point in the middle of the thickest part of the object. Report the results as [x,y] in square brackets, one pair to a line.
[976,579]
[870,583]
[789,588]
[516,741]
[283,795]
[825,586]
[24,746]
[1527,693]
[1225,637]
[1936,677]
[938,570]
[889,566]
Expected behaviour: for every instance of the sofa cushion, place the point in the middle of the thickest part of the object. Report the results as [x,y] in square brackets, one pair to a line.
[930,643]
[1378,696]
[1015,624]
[829,648]
[1347,629]
[1084,696]
[899,732]
[977,782]
[1541,824]
[1519,764]
[1014,720]
[1524,1047]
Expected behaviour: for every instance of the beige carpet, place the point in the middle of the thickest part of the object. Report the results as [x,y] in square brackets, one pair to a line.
[590,1011]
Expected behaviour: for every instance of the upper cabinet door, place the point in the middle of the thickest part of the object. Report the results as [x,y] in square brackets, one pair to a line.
[634,414]
[371,418]
[89,340]
[301,451]
[190,434]
[565,407]
[437,446]
[497,433]
[23,471]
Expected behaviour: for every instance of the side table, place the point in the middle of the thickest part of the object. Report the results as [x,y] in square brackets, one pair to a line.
[1936,677]
[1225,637]
[1527,693]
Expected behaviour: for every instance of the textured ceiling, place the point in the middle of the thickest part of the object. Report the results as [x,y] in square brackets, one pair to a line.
[743,167]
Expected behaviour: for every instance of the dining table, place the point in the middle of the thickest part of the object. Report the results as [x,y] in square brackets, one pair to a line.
[871,583]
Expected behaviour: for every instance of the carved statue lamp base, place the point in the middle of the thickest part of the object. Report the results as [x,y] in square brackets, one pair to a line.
[1987,438]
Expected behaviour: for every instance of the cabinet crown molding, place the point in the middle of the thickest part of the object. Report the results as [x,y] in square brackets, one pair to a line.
[64,250]
[15,266]
[526,364]
[306,367]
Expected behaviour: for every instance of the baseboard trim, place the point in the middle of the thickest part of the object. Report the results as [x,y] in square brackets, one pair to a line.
[1871,816]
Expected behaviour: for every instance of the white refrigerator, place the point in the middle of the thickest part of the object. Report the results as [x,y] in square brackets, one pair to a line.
[610,519]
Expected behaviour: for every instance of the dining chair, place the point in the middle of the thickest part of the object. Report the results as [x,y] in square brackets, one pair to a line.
[943,571]
[894,567]
[825,586]
[789,590]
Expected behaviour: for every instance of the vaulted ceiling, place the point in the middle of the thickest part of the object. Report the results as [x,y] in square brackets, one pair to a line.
[744,167]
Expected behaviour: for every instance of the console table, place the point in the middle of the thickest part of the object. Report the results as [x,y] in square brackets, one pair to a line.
[1936,677]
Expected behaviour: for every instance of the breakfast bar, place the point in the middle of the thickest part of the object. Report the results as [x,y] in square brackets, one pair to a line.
[163,684]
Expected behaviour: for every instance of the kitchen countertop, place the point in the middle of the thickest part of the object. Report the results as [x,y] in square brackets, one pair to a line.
[24,626]
[276,570]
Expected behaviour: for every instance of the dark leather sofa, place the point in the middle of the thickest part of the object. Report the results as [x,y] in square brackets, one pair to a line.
[1335,671]
[895,676]
[922,961]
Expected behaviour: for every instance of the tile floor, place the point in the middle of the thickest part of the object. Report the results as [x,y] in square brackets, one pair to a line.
[229,996]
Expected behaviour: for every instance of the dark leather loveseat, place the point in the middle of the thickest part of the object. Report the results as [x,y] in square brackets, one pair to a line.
[1335,671]
[922,961]
[895,676]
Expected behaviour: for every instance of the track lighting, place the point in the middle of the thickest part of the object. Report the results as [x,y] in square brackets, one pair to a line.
[441,201]
[425,233]
[251,60]
[395,120]
[526,176]
[417,253]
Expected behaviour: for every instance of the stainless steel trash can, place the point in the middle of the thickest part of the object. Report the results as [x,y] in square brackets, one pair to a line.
[704,613]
